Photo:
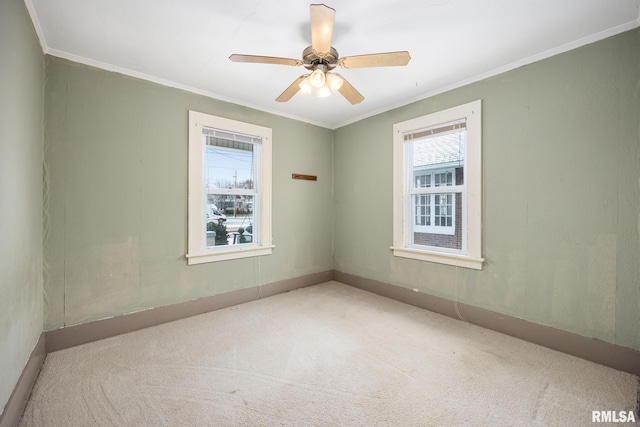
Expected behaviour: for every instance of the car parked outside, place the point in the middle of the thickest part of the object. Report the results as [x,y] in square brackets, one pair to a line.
[214,215]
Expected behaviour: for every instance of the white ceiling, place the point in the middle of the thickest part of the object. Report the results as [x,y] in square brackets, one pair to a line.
[187,43]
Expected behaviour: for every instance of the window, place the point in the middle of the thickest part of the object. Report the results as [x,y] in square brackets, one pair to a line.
[229,189]
[437,187]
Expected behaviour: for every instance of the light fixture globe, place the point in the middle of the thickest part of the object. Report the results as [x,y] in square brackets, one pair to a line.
[317,78]
[323,91]
[334,81]
[305,86]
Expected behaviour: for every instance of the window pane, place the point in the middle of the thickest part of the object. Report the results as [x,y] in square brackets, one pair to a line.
[230,220]
[438,161]
[441,224]
[422,180]
[443,209]
[229,189]
[432,155]
[228,164]
[422,210]
[444,179]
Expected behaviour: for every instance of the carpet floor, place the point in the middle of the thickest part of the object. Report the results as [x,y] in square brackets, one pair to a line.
[325,355]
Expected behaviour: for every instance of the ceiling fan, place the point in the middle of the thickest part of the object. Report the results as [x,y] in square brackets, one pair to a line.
[321,58]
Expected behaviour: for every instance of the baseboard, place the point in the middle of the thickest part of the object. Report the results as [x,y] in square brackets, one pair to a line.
[71,336]
[18,400]
[607,354]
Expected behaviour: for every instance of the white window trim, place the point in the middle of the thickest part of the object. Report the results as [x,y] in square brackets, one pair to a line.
[197,253]
[471,255]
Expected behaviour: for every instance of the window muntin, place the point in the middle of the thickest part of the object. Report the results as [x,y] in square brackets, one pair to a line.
[229,189]
[433,153]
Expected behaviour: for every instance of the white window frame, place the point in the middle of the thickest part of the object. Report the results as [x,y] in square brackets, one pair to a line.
[470,256]
[197,204]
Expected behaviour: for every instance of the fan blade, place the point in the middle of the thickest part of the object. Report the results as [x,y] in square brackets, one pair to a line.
[264,59]
[322,19]
[291,90]
[350,92]
[387,59]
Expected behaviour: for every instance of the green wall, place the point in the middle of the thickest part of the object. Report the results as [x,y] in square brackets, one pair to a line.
[21,116]
[561,201]
[561,194]
[560,204]
[116,152]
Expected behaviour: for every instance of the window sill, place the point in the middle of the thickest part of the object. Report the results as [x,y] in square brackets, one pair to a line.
[439,257]
[229,254]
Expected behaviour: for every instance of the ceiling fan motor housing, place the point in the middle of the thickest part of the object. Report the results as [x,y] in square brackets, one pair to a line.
[312,59]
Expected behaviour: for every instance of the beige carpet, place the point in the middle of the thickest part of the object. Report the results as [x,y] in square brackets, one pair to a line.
[326,355]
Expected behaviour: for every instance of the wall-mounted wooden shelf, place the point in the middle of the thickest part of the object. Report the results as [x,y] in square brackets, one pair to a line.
[304,177]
